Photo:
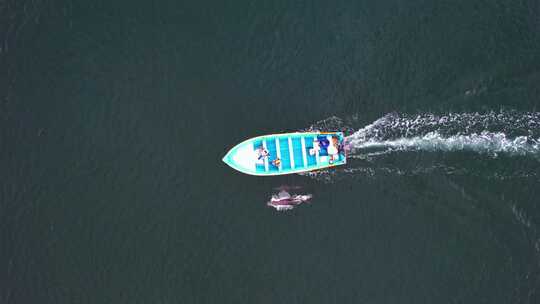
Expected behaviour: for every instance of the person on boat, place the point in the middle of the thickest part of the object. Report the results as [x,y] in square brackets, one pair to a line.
[276,162]
[262,153]
[335,142]
[333,149]
[316,148]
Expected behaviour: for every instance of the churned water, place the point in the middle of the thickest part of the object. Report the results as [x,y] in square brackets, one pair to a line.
[114,118]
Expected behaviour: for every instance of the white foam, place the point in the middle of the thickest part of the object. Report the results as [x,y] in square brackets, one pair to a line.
[483,133]
[485,142]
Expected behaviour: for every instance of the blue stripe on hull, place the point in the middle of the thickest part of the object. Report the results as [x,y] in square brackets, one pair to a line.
[285,155]
[310,158]
[271,147]
[297,149]
[259,167]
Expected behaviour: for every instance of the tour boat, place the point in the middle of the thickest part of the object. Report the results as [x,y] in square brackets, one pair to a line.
[287,153]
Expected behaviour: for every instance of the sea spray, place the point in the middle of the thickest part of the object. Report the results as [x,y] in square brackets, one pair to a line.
[484,142]
[493,145]
[491,133]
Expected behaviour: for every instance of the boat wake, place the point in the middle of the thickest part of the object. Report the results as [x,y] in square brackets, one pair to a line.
[468,168]
[491,134]
[447,143]
[485,142]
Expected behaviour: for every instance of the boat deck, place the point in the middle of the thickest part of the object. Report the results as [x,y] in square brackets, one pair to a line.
[292,149]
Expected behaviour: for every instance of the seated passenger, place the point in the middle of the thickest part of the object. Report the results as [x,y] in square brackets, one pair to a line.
[335,141]
[316,148]
[276,162]
[333,149]
[262,153]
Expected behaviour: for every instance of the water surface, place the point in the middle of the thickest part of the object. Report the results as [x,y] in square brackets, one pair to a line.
[115,116]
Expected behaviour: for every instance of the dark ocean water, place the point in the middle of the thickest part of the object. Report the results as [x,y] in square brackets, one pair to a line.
[114,117]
